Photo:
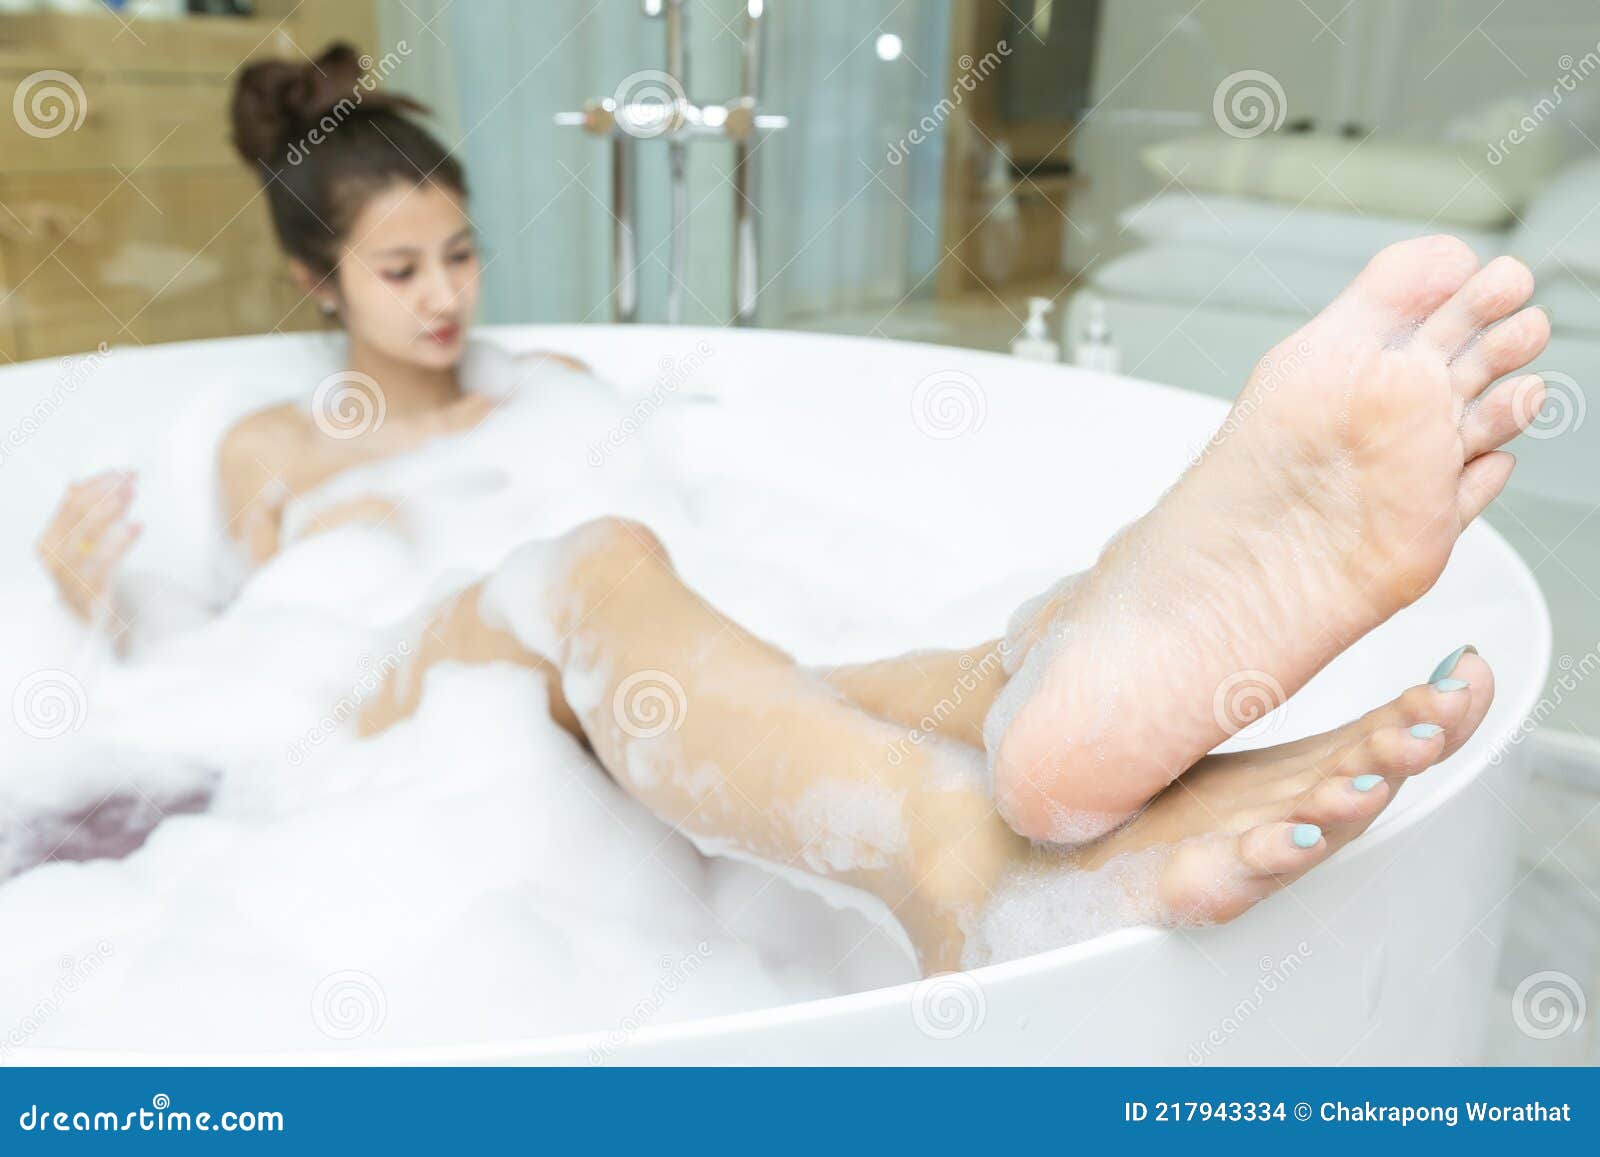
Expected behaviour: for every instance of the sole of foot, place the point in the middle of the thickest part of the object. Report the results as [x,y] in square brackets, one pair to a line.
[1331,498]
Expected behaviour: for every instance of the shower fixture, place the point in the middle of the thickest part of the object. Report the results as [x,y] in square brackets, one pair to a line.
[654,104]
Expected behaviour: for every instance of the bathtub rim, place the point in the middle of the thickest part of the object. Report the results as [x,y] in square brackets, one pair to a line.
[562,1047]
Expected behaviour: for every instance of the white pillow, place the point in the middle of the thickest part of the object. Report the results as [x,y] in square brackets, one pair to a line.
[1285,283]
[1246,223]
[1561,230]
[1443,183]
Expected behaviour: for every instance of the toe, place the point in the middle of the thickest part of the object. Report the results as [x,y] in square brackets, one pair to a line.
[1500,350]
[1217,878]
[1408,281]
[1481,483]
[1446,700]
[1501,414]
[1344,800]
[1457,699]
[1488,295]
[1471,669]
[1419,730]
[1396,752]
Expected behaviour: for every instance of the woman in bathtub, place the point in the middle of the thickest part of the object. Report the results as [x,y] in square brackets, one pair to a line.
[1071,769]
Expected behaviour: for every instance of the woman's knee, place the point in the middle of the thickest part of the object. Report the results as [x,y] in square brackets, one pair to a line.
[615,539]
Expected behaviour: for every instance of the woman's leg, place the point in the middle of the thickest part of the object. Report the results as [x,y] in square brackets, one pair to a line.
[456,633]
[929,693]
[944,694]
[723,736]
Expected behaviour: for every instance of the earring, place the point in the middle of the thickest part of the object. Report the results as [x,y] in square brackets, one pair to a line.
[327,307]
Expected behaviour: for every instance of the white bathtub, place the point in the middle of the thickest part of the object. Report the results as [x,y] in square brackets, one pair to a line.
[1383,955]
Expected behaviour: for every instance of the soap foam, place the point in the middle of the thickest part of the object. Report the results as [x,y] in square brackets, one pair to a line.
[1032,649]
[1037,907]
[471,872]
[847,826]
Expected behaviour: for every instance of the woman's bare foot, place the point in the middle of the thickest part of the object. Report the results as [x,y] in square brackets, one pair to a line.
[1232,830]
[1331,498]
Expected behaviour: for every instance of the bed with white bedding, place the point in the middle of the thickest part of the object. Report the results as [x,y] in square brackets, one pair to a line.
[1216,278]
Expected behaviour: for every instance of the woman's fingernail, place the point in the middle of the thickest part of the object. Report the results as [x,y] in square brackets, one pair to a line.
[1426,730]
[1450,662]
[1450,684]
[1366,782]
[1306,835]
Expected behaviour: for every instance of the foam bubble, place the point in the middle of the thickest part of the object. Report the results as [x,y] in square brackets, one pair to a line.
[1037,908]
[474,862]
[846,826]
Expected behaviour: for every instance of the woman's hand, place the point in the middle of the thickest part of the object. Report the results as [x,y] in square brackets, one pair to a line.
[87,539]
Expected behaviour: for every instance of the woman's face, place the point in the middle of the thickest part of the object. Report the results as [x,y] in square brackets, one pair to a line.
[409,275]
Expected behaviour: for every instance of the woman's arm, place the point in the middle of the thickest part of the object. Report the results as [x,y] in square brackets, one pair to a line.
[251,461]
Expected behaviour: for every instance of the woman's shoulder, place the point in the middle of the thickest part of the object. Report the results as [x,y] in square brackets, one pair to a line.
[262,436]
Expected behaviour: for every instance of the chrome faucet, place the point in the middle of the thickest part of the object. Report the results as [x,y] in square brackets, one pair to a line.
[655,104]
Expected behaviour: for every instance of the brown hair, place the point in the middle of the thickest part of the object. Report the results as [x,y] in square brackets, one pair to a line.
[323,141]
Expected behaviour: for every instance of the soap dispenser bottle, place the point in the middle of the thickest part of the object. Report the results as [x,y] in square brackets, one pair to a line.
[1034,341]
[1096,351]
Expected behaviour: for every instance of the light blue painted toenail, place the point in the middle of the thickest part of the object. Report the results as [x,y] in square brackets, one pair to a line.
[1306,835]
[1426,730]
[1450,684]
[1450,662]
[1366,782]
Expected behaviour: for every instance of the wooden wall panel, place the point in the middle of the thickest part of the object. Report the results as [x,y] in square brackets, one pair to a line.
[125,216]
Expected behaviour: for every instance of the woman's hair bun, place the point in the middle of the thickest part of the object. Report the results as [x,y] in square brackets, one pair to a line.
[277,101]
